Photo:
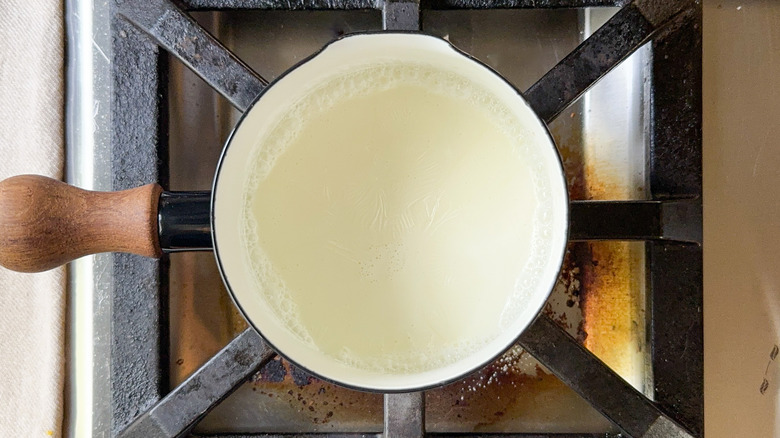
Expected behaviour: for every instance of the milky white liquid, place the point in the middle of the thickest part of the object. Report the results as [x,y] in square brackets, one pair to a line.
[390,218]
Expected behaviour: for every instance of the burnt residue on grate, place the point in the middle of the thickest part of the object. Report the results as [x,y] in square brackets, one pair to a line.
[321,404]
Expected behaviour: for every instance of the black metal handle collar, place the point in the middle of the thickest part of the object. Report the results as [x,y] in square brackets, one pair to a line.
[184,221]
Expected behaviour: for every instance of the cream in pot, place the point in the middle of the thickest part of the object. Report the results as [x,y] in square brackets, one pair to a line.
[390,214]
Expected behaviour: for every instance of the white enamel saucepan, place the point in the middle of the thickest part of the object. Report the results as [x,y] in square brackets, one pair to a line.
[490,203]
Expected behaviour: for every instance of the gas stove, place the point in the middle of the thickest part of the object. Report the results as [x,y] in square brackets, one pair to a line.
[158,347]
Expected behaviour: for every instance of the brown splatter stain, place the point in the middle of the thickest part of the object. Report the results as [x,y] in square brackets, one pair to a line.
[612,298]
[611,273]
[502,398]
[567,133]
[566,293]
[316,401]
[612,304]
[611,295]
[484,398]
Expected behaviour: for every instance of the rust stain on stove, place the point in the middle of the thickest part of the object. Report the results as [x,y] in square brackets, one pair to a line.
[611,293]
[611,306]
[567,133]
[612,298]
[313,400]
[499,398]
[563,306]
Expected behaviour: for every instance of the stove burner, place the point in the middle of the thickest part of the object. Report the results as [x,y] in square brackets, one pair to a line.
[670,222]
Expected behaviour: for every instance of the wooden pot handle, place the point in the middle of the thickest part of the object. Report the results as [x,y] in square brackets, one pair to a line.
[45,223]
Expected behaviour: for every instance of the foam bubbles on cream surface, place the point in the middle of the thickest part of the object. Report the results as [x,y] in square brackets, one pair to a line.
[394,218]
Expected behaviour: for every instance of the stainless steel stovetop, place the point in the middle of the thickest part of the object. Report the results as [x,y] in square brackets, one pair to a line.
[138,114]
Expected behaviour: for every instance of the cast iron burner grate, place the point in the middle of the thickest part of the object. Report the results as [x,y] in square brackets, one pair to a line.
[670,221]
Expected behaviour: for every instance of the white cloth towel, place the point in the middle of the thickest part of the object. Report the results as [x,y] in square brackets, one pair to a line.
[32,306]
